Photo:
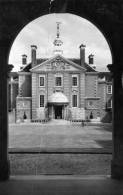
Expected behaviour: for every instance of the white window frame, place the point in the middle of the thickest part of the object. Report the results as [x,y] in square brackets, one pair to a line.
[39,80]
[109,89]
[40,102]
[72,101]
[77,80]
[61,76]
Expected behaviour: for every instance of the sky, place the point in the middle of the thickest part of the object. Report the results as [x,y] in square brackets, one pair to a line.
[74,31]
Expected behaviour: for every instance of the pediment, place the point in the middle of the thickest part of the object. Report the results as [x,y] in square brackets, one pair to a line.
[58,63]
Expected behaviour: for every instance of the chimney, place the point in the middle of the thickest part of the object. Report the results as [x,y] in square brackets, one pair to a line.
[91,61]
[82,54]
[33,55]
[24,59]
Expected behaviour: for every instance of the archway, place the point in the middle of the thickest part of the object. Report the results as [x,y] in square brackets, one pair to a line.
[19,14]
[57,101]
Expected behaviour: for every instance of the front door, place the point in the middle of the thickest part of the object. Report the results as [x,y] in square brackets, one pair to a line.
[58,112]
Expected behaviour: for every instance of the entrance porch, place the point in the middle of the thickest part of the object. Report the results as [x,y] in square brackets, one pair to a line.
[58,106]
[58,111]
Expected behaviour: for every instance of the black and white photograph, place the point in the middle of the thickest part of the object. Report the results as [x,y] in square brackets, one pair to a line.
[61,97]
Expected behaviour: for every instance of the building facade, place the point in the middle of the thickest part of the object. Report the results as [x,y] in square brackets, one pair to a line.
[62,88]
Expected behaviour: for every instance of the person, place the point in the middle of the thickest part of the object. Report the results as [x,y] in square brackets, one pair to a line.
[91,115]
[24,116]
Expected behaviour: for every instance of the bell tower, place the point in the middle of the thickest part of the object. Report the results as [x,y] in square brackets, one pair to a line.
[58,42]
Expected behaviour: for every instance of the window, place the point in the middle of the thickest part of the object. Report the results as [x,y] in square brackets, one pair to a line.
[109,104]
[58,81]
[41,100]
[41,81]
[90,103]
[74,100]
[109,89]
[74,81]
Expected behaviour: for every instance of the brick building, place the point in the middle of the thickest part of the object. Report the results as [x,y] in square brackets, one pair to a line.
[60,88]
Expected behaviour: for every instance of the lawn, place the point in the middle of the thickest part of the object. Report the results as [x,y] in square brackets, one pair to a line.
[59,136]
[60,149]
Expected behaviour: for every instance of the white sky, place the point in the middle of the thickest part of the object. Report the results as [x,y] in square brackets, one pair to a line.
[74,31]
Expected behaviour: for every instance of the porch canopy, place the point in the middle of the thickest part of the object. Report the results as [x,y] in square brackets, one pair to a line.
[58,98]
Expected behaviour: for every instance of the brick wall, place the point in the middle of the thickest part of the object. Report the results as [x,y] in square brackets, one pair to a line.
[91,85]
[82,90]
[25,85]
[91,93]
[50,83]
[34,95]
[23,105]
[13,92]
[102,95]
[66,83]
[92,106]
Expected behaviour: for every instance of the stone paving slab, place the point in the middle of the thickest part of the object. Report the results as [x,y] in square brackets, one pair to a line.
[61,185]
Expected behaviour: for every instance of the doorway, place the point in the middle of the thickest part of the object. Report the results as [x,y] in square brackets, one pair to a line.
[58,112]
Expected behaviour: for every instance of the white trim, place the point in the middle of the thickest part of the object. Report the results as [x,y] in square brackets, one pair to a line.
[24,73]
[92,73]
[39,80]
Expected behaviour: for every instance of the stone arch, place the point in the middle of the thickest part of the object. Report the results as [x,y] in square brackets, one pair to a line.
[106,15]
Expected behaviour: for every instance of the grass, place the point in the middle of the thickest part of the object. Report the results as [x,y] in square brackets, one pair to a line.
[24,139]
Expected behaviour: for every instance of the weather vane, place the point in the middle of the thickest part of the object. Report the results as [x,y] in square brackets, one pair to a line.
[57,41]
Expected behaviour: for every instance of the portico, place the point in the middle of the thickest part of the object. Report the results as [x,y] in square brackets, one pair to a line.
[58,105]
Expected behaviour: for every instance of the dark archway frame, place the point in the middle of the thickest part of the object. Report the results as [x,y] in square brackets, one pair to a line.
[107,15]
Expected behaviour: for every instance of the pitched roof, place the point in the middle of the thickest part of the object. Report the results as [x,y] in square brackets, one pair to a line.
[106,75]
[74,60]
[63,59]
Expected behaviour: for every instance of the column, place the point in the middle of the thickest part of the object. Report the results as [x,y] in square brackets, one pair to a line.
[4,162]
[117,157]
